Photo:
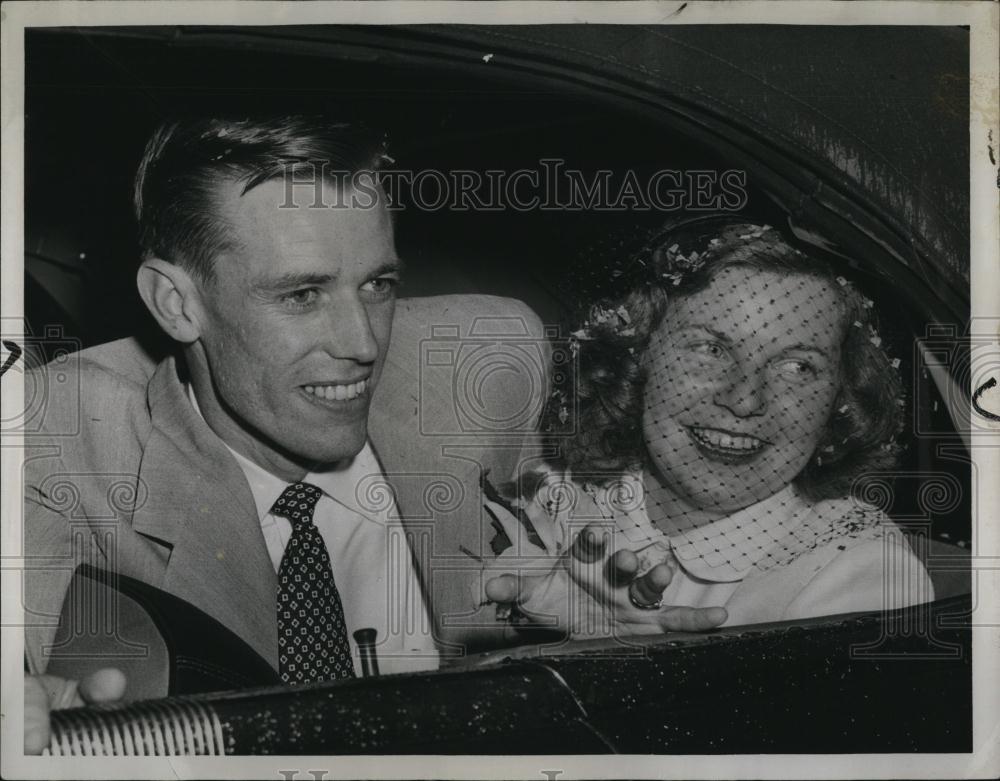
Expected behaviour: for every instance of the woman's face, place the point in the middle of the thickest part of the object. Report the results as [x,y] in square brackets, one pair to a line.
[742,380]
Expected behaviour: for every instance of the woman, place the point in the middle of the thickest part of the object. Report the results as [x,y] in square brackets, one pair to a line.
[729,407]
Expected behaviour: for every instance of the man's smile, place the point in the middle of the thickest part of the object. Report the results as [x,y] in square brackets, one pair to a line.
[338,392]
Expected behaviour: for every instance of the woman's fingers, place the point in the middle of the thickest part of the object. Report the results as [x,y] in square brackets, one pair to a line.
[691,619]
[504,589]
[589,544]
[648,590]
[622,567]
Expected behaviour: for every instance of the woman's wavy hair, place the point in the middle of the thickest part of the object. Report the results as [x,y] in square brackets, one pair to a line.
[606,438]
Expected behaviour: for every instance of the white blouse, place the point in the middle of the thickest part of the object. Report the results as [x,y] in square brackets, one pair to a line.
[780,559]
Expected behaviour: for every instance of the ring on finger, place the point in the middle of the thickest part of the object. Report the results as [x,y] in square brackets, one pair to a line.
[643,605]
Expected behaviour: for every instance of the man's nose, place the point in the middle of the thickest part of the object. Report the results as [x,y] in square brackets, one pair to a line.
[744,392]
[350,335]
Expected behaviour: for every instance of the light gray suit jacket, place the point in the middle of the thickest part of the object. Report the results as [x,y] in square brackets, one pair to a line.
[125,474]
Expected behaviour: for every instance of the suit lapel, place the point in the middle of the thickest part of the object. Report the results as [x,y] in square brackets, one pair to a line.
[200,504]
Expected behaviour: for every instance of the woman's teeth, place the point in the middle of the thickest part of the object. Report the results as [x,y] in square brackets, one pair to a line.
[718,439]
[338,392]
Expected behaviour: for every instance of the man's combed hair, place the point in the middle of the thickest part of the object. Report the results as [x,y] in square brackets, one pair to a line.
[185,161]
[607,438]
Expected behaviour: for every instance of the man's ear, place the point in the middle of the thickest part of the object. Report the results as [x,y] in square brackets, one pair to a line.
[172,297]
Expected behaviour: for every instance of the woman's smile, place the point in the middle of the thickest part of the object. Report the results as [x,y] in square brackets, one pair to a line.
[726,446]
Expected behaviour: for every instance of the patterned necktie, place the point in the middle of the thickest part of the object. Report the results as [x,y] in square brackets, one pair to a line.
[312,634]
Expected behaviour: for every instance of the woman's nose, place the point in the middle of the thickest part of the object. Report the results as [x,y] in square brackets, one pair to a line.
[744,393]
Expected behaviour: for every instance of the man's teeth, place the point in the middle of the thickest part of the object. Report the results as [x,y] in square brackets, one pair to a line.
[338,392]
[719,439]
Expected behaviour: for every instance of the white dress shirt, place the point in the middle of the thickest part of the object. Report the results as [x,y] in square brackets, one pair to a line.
[369,555]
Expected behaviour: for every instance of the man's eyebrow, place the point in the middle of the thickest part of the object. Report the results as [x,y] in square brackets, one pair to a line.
[295,279]
[292,279]
[394,266]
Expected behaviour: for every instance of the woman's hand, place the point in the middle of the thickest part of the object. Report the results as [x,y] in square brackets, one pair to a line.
[587,593]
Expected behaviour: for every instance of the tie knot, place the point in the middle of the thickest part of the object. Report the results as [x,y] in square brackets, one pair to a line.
[296,502]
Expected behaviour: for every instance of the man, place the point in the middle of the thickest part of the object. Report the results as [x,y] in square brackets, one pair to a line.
[247,455]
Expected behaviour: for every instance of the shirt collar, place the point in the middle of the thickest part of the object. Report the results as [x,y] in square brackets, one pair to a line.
[723,551]
[727,549]
[342,483]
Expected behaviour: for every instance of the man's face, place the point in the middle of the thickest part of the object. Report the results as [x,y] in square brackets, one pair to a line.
[297,323]
[742,380]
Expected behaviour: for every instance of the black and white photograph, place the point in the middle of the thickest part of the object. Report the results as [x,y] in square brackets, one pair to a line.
[500,390]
